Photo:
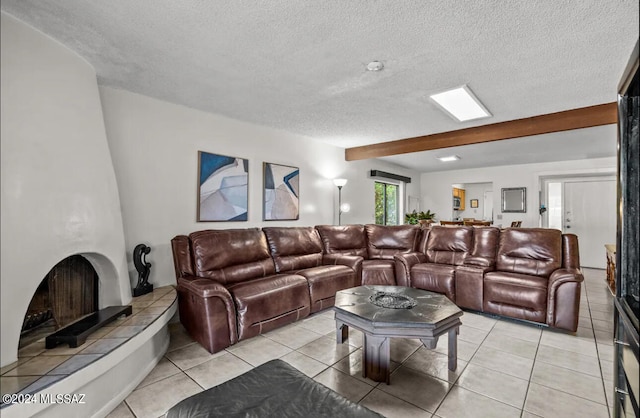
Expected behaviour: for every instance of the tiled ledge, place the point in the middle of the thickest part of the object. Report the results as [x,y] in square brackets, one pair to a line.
[38,368]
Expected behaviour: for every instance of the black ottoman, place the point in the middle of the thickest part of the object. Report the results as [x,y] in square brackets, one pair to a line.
[274,389]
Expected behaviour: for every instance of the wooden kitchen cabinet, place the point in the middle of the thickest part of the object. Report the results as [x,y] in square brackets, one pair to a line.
[459,193]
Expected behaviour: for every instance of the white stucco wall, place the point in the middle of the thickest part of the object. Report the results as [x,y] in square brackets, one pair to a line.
[59,193]
[436,187]
[155,147]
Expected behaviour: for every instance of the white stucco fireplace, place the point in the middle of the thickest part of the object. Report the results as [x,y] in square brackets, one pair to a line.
[60,198]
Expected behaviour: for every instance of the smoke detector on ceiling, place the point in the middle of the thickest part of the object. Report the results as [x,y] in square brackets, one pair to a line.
[375,66]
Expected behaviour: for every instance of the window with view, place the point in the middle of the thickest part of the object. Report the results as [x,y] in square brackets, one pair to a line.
[386,203]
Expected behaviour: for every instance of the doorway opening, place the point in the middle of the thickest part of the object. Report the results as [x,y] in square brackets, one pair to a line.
[476,201]
[584,206]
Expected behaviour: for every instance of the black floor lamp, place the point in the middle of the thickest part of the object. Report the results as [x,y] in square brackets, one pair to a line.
[341,208]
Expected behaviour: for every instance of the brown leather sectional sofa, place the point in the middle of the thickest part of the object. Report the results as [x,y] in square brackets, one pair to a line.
[237,283]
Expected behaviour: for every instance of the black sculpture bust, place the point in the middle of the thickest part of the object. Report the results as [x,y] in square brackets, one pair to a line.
[144,267]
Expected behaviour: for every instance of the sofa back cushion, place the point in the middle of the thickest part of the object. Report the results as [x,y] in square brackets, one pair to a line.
[294,248]
[231,255]
[384,241]
[485,247]
[448,245]
[534,251]
[345,239]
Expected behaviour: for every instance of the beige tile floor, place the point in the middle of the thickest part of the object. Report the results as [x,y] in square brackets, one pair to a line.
[505,368]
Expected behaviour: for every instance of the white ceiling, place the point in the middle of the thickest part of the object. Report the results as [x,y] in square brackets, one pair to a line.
[299,66]
[598,142]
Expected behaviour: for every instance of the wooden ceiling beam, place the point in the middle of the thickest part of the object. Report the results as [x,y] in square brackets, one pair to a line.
[585,117]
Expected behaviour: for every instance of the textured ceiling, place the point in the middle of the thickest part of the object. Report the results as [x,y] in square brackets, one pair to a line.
[299,66]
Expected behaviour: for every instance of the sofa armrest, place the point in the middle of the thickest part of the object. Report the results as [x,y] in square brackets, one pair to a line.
[562,276]
[403,264]
[469,290]
[563,298]
[352,261]
[205,288]
[208,312]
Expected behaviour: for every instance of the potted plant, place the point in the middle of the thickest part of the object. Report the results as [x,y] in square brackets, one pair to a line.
[422,218]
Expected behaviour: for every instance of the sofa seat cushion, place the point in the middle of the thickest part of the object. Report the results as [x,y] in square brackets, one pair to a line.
[325,281]
[516,295]
[378,272]
[269,302]
[439,278]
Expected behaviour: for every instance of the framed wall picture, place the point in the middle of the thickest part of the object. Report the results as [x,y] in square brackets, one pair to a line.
[514,199]
[223,192]
[281,192]
[474,203]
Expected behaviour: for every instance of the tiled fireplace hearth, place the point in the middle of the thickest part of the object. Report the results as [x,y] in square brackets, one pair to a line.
[105,369]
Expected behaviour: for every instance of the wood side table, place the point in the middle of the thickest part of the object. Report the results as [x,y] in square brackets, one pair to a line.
[611,267]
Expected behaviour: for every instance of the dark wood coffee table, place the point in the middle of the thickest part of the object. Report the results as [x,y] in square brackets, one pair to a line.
[432,316]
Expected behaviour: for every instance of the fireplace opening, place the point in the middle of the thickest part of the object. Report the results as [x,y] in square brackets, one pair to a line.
[67,293]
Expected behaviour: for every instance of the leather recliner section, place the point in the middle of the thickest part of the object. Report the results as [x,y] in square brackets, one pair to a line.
[526,259]
[377,244]
[230,295]
[524,273]
[445,248]
[298,250]
[383,243]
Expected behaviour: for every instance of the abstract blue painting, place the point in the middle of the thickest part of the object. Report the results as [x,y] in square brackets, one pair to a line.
[223,193]
[281,192]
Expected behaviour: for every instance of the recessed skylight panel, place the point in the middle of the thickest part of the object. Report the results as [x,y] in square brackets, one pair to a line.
[461,104]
